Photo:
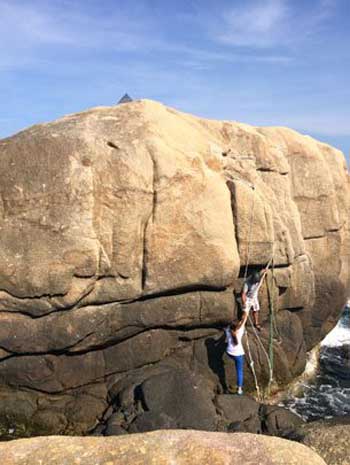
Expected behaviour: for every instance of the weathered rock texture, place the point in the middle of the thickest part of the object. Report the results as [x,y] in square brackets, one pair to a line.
[328,438]
[124,234]
[160,447]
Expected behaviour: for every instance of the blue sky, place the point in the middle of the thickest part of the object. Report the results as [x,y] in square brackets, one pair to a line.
[263,62]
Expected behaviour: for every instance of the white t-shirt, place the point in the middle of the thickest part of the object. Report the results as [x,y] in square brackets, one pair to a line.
[251,289]
[232,348]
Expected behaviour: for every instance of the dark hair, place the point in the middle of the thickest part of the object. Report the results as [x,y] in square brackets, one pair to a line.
[233,327]
[256,277]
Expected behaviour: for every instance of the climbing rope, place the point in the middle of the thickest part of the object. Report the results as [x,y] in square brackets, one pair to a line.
[270,367]
[271,296]
[252,367]
[269,357]
[250,234]
[251,361]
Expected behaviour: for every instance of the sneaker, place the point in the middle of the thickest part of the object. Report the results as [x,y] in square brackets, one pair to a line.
[239,391]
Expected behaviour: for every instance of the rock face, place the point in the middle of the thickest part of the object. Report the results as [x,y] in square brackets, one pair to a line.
[328,438]
[125,233]
[161,447]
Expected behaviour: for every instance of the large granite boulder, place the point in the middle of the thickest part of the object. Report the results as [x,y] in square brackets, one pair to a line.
[161,447]
[125,234]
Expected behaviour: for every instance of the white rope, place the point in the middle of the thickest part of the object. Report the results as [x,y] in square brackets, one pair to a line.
[251,361]
[250,234]
[251,364]
[263,348]
[255,331]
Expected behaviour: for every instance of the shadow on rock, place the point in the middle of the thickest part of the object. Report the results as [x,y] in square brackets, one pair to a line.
[216,349]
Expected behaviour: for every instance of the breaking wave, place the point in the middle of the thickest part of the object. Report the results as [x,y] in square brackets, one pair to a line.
[327,394]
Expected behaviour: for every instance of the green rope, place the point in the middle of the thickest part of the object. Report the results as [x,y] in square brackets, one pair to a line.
[271,324]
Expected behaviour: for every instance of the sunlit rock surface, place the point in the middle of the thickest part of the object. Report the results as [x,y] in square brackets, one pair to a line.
[124,236]
[161,447]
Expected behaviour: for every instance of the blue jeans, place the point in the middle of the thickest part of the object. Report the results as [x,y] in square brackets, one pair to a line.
[239,363]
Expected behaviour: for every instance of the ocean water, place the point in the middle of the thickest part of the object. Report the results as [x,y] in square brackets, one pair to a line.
[327,393]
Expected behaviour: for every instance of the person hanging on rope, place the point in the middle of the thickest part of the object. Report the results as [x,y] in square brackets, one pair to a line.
[250,293]
[234,349]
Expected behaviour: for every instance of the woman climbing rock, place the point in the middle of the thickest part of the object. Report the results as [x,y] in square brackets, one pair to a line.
[234,334]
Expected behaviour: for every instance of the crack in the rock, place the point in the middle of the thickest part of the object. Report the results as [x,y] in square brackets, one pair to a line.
[231,187]
[263,169]
[294,309]
[35,297]
[96,381]
[113,145]
[144,254]
[154,182]
[147,222]
[66,351]
[335,229]
[281,266]
[166,293]
[28,313]
[318,236]
[181,291]
[56,352]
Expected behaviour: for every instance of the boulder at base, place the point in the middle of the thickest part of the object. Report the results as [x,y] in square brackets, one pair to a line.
[170,447]
[330,438]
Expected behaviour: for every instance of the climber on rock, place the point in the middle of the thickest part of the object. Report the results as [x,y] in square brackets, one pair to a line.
[234,349]
[250,293]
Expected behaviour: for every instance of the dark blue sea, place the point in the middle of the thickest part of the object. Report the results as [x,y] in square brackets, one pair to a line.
[327,393]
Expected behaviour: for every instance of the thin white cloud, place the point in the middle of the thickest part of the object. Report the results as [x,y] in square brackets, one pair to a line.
[28,29]
[255,23]
[42,28]
[272,23]
[26,25]
[196,57]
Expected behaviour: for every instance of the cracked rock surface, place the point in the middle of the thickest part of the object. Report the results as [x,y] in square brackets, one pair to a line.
[124,236]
